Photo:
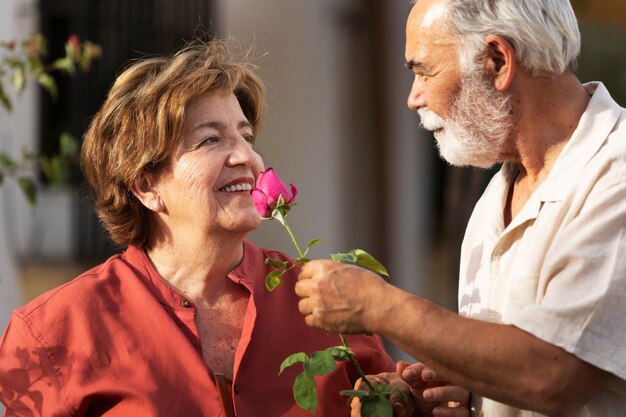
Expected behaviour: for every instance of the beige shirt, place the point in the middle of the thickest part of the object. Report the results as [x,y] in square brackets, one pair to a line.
[558,270]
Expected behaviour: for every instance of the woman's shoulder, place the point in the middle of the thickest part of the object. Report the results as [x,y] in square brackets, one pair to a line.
[76,292]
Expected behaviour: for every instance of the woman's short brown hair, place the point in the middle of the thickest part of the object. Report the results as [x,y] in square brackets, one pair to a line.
[140,124]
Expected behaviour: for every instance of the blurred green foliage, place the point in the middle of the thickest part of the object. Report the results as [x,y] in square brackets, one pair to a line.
[22,61]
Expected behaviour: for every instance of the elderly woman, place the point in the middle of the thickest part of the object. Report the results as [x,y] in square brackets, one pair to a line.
[180,323]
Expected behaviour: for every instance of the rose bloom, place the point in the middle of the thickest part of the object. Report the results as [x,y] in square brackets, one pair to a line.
[269,187]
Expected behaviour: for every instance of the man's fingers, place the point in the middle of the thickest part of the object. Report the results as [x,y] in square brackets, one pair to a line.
[305,305]
[447,393]
[303,287]
[411,373]
[443,411]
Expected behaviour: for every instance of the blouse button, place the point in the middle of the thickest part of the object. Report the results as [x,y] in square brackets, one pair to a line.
[186,303]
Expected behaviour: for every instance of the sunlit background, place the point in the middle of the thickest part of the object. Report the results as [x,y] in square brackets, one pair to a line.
[337,127]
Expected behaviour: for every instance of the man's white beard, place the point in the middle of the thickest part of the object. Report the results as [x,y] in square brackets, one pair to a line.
[479,127]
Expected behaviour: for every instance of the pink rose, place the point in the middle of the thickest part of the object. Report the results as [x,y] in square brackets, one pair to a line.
[269,187]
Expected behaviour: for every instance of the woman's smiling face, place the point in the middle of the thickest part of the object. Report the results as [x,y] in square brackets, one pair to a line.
[208,180]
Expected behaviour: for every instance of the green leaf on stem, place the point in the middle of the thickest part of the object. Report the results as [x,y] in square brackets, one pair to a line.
[340,353]
[361,258]
[354,393]
[276,263]
[19,77]
[65,64]
[272,280]
[387,390]
[304,392]
[320,363]
[314,242]
[29,189]
[68,144]
[6,161]
[346,258]
[366,260]
[48,83]
[376,406]
[56,170]
[4,99]
[299,357]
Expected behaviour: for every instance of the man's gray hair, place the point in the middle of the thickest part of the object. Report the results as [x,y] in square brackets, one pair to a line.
[544,33]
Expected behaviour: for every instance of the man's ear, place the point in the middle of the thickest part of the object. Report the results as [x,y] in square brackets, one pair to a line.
[500,62]
[144,188]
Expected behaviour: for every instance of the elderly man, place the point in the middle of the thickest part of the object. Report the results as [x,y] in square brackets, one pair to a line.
[542,290]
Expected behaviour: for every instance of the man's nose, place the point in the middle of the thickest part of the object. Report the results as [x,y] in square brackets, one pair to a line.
[416,97]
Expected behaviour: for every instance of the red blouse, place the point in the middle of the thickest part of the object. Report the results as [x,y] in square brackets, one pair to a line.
[117,341]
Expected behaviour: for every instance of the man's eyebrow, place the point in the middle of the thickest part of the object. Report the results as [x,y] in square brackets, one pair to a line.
[413,65]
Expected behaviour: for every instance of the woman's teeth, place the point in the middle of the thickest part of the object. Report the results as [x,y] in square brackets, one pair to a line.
[237,187]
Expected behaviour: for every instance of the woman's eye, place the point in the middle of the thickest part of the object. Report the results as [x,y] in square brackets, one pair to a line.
[208,141]
[250,139]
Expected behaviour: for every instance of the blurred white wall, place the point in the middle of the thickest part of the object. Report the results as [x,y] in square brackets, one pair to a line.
[299,137]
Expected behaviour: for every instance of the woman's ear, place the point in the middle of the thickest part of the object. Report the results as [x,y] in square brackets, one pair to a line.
[144,188]
[500,62]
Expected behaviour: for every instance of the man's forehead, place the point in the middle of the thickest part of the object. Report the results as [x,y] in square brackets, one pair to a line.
[434,14]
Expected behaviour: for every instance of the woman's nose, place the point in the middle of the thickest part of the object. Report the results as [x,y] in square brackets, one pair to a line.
[416,97]
[243,153]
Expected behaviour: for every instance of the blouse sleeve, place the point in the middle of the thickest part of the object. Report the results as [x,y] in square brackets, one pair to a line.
[29,384]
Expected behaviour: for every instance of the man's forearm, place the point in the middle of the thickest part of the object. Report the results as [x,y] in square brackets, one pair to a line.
[498,361]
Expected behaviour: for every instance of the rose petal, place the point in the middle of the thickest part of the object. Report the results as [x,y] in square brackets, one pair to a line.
[261,203]
[272,186]
[294,193]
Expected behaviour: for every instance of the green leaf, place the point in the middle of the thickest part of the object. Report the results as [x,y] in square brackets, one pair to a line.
[354,393]
[56,170]
[304,392]
[387,390]
[299,357]
[339,353]
[376,406]
[29,189]
[346,258]
[64,64]
[6,161]
[276,263]
[314,242]
[49,169]
[48,83]
[68,144]
[320,363]
[278,215]
[366,260]
[19,77]
[4,99]
[272,280]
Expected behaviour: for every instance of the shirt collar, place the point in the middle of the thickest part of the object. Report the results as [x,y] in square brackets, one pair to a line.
[594,127]
[243,274]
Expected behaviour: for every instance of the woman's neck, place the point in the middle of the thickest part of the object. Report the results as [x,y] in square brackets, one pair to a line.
[198,266]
